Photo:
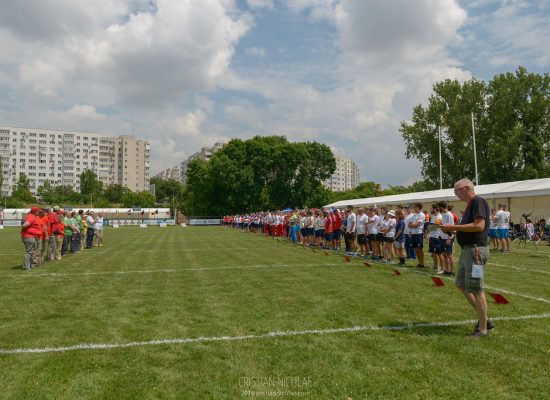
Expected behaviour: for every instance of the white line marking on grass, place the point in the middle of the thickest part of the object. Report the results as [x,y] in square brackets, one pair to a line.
[153,271]
[527,296]
[203,339]
[152,250]
[538,271]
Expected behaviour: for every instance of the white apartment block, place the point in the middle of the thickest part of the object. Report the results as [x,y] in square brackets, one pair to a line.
[171,173]
[61,156]
[345,177]
[205,153]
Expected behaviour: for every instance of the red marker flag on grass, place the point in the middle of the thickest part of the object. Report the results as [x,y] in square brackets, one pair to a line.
[366,264]
[438,281]
[396,272]
[347,259]
[498,298]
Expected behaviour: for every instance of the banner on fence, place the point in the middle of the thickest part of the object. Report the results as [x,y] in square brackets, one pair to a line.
[213,221]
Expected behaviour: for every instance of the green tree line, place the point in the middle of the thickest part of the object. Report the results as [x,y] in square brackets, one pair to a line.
[265,172]
[92,193]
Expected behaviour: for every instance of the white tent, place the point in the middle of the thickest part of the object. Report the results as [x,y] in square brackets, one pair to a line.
[530,196]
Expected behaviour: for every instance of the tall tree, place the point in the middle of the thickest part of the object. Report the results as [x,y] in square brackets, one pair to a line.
[22,190]
[46,192]
[259,173]
[115,192]
[89,184]
[166,189]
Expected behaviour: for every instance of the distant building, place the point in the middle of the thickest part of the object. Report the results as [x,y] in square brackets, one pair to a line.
[345,176]
[60,157]
[205,153]
[179,171]
[172,173]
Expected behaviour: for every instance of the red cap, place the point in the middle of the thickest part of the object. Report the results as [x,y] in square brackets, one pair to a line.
[35,209]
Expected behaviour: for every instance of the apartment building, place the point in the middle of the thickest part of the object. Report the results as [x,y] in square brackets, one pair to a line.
[179,171]
[205,153]
[171,173]
[345,177]
[61,156]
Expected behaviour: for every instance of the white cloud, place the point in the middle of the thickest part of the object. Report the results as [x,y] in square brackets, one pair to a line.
[148,58]
[390,57]
[260,4]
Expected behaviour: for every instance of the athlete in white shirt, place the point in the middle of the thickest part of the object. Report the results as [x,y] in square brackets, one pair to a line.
[361,228]
[416,223]
[434,239]
[447,239]
[372,229]
[503,225]
[388,229]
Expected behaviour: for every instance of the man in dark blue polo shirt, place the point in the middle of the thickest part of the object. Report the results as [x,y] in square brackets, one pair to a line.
[471,235]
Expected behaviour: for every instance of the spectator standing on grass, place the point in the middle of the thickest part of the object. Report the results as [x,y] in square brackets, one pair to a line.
[98,230]
[399,241]
[416,223]
[70,229]
[447,240]
[38,257]
[471,235]
[60,234]
[53,223]
[388,230]
[362,221]
[336,228]
[349,238]
[31,230]
[90,221]
[79,222]
[503,226]
[493,229]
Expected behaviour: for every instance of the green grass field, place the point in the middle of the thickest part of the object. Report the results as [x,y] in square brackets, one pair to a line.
[230,291]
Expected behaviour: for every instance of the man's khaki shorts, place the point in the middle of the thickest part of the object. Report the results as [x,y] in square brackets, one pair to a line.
[464,275]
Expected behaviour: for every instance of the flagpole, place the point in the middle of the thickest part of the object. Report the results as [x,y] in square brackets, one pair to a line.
[440,163]
[475,152]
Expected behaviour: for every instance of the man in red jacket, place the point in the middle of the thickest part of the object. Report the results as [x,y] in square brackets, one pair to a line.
[31,231]
[53,223]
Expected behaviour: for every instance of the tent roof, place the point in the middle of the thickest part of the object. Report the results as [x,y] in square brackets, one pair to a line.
[528,188]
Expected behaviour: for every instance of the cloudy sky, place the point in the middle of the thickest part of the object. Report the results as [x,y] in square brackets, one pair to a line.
[187,73]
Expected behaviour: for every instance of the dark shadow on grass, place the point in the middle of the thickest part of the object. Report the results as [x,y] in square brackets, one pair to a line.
[447,330]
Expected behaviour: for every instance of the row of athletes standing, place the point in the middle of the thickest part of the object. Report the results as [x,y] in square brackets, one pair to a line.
[50,233]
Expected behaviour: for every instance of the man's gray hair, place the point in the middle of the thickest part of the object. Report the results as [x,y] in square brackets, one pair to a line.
[465,182]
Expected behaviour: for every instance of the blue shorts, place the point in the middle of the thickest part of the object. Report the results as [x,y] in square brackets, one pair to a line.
[435,245]
[417,240]
[493,233]
[502,233]
[328,237]
[336,234]
[447,248]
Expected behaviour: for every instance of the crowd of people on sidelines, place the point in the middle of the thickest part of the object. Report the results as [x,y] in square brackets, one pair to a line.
[378,234]
[49,234]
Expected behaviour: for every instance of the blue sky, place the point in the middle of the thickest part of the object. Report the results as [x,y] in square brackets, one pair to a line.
[185,74]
